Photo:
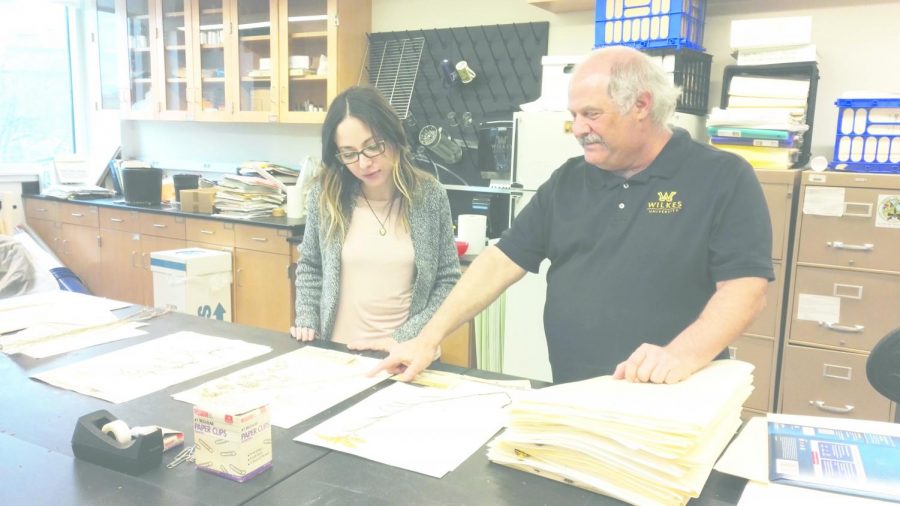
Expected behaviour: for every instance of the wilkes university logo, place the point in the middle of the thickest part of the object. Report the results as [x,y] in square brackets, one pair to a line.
[664,204]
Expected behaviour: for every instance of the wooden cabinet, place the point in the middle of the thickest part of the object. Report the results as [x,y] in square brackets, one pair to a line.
[844,294]
[110,249]
[322,46]
[121,274]
[80,247]
[239,60]
[262,277]
[43,217]
[761,340]
[138,62]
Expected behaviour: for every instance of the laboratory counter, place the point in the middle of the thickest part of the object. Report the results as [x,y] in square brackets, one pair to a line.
[38,466]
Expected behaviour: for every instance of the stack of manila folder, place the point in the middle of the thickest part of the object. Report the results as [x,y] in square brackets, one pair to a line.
[646,444]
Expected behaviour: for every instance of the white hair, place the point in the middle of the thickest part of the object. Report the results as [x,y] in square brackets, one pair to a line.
[629,77]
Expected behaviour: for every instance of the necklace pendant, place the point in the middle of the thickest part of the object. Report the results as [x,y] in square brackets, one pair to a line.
[382,231]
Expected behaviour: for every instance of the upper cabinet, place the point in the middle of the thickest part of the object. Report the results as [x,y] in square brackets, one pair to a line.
[171,45]
[239,60]
[138,59]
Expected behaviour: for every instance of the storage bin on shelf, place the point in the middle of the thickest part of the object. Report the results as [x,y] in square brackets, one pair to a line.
[650,23]
[868,135]
[689,69]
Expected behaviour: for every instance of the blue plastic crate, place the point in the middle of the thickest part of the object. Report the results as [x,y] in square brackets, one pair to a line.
[650,23]
[868,135]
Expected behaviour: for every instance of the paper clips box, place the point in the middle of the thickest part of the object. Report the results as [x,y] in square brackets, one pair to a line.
[200,200]
[233,442]
[194,280]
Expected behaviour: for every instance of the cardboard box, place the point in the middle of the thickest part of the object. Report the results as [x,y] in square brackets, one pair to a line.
[194,280]
[198,201]
[233,442]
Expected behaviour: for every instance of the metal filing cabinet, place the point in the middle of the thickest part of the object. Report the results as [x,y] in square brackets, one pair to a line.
[760,342]
[844,296]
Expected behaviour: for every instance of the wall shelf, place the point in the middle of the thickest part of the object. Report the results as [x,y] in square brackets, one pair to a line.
[563,5]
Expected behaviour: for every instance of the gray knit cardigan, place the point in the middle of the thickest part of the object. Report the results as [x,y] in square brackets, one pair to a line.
[436,263]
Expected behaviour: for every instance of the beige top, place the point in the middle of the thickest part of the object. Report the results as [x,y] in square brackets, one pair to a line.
[377,273]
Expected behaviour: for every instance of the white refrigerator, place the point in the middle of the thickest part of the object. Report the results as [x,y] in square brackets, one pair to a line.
[542,141]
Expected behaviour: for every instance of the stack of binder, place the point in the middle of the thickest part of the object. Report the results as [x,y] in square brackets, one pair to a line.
[646,444]
[764,122]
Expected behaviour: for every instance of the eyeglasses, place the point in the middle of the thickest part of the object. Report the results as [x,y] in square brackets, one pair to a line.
[370,151]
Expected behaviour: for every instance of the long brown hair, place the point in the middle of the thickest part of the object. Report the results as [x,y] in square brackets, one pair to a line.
[339,186]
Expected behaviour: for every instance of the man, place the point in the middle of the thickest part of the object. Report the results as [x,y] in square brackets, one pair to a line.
[659,246]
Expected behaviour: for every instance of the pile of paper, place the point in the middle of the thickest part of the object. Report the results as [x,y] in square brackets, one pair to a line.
[646,444]
[765,41]
[247,196]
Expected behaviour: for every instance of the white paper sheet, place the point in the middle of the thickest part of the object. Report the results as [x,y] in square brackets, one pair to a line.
[25,311]
[297,385]
[771,494]
[422,429]
[748,456]
[823,201]
[818,308]
[37,341]
[138,370]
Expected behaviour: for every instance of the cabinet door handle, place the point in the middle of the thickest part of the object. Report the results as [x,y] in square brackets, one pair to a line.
[117,220]
[133,255]
[207,232]
[851,247]
[237,277]
[77,215]
[832,409]
[853,329]
[159,225]
[260,239]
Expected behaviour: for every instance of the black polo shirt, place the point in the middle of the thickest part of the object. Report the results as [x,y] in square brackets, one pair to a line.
[635,261]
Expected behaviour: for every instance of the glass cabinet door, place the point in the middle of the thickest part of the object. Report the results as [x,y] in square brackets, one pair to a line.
[139,29]
[107,55]
[175,21]
[304,71]
[256,57]
[209,48]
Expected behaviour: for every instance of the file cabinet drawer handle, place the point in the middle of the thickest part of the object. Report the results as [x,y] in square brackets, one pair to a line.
[159,225]
[116,220]
[207,232]
[260,239]
[42,209]
[853,329]
[851,247]
[832,409]
[77,215]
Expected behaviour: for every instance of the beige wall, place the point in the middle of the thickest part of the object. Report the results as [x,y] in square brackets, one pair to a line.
[858,43]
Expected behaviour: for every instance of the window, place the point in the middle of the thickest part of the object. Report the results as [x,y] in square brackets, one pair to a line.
[36,105]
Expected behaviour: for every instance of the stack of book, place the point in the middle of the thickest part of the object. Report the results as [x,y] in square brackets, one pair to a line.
[766,41]
[638,442]
[764,122]
[247,196]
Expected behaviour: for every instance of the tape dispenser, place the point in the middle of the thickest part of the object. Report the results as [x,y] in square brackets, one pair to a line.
[103,439]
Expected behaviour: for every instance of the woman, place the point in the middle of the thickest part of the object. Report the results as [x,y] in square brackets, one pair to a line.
[378,255]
